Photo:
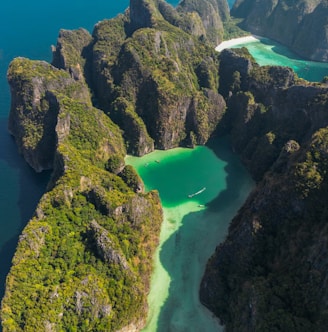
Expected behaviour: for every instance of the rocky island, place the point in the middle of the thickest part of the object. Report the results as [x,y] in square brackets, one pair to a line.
[147,79]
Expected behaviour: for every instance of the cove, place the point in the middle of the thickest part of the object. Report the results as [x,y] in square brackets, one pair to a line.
[268,52]
[195,222]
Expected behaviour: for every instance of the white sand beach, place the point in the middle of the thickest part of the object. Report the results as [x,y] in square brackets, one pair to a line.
[236,41]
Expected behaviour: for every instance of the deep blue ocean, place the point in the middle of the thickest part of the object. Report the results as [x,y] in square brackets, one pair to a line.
[28,29]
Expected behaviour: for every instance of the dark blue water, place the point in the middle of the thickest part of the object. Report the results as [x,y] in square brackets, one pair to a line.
[28,29]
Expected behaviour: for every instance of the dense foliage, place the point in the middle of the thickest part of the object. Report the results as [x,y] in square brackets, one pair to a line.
[66,275]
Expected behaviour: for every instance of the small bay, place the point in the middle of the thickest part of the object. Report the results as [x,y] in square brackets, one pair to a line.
[201,190]
[268,52]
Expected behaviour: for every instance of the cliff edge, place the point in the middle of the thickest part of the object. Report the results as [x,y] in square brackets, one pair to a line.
[270,274]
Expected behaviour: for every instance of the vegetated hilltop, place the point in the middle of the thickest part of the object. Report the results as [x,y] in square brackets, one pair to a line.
[145,79]
[271,272]
[301,25]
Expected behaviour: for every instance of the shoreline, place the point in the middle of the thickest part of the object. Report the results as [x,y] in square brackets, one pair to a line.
[235,41]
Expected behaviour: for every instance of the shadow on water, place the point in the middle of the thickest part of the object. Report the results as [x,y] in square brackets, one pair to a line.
[25,194]
[185,253]
[235,174]
[281,49]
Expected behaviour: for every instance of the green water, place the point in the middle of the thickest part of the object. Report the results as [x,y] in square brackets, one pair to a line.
[192,228]
[268,52]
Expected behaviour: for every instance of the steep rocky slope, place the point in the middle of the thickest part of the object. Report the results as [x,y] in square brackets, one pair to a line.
[300,25]
[270,274]
[160,84]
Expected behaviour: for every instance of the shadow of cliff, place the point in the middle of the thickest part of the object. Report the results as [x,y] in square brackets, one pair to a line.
[282,49]
[235,171]
[18,199]
[184,255]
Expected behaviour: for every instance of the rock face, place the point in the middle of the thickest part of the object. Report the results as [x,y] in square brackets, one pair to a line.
[160,84]
[34,110]
[300,25]
[270,271]
[212,13]
[105,246]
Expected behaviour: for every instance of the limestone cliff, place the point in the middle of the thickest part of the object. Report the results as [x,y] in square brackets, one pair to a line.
[212,13]
[270,273]
[34,110]
[160,84]
[300,25]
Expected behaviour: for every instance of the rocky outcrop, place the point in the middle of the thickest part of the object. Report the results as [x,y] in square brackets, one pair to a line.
[157,85]
[267,106]
[212,14]
[202,18]
[272,259]
[142,14]
[71,51]
[300,25]
[34,110]
[105,246]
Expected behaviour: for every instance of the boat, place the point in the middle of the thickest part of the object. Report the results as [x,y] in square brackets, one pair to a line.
[197,193]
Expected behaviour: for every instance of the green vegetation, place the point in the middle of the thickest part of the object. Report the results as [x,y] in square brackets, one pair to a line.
[67,273]
[311,173]
[232,30]
[131,178]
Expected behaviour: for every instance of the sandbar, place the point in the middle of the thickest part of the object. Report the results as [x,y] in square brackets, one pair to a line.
[235,41]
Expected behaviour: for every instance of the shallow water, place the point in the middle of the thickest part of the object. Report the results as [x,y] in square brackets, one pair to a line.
[268,52]
[192,227]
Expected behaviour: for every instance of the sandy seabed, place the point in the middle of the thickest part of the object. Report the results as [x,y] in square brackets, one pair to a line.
[195,222]
[236,41]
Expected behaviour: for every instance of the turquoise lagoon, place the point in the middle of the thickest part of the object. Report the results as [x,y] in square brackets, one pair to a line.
[201,190]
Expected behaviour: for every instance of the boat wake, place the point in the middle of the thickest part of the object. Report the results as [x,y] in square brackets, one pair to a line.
[197,193]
